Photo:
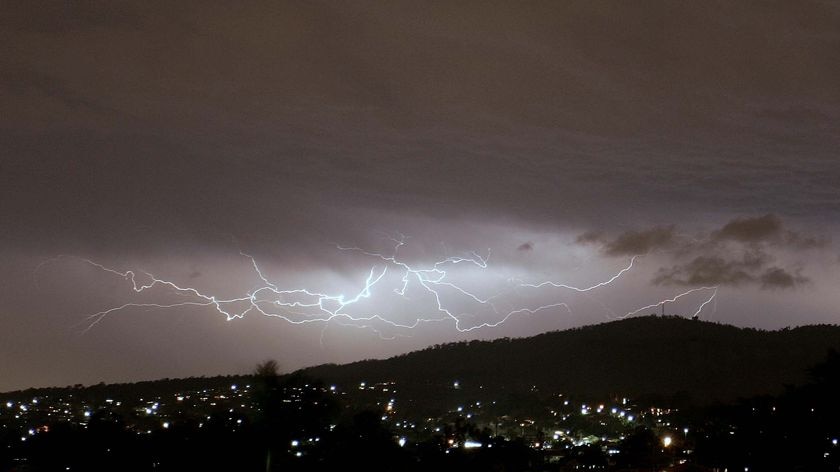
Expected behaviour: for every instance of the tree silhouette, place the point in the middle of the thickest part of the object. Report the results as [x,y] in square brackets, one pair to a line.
[267,370]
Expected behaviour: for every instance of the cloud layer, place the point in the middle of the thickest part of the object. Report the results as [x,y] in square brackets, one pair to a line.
[744,251]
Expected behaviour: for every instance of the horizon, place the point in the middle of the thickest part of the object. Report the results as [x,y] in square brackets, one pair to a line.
[282,372]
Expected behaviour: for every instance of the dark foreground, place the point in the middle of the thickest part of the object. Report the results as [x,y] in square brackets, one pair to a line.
[295,423]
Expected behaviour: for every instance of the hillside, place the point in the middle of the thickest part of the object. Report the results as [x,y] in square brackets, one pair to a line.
[663,358]
[652,358]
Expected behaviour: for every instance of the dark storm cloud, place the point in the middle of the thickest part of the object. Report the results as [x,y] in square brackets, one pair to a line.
[526,247]
[731,270]
[751,233]
[739,253]
[641,242]
[719,271]
[706,271]
[776,277]
[746,230]
[767,228]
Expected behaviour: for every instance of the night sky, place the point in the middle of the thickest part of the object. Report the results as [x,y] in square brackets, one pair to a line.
[564,137]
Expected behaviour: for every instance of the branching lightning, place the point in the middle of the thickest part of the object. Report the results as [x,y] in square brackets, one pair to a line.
[298,306]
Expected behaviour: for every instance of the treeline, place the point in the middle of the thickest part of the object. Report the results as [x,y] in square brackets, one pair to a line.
[132,390]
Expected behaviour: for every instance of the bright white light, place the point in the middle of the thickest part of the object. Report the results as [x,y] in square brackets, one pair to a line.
[430,278]
[456,384]
[402,442]
[630,418]
[834,441]
[666,441]
[9,404]
[295,443]
[87,414]
[471,444]
[165,425]
[233,387]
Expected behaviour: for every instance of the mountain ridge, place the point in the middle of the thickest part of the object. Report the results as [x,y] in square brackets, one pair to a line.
[650,356]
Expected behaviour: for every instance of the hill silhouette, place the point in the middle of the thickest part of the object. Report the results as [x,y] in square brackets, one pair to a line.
[661,359]
[665,358]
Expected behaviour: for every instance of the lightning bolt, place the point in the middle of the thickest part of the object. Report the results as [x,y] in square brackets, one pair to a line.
[585,289]
[713,289]
[298,306]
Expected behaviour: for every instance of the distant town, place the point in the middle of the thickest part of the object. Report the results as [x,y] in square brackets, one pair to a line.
[271,422]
